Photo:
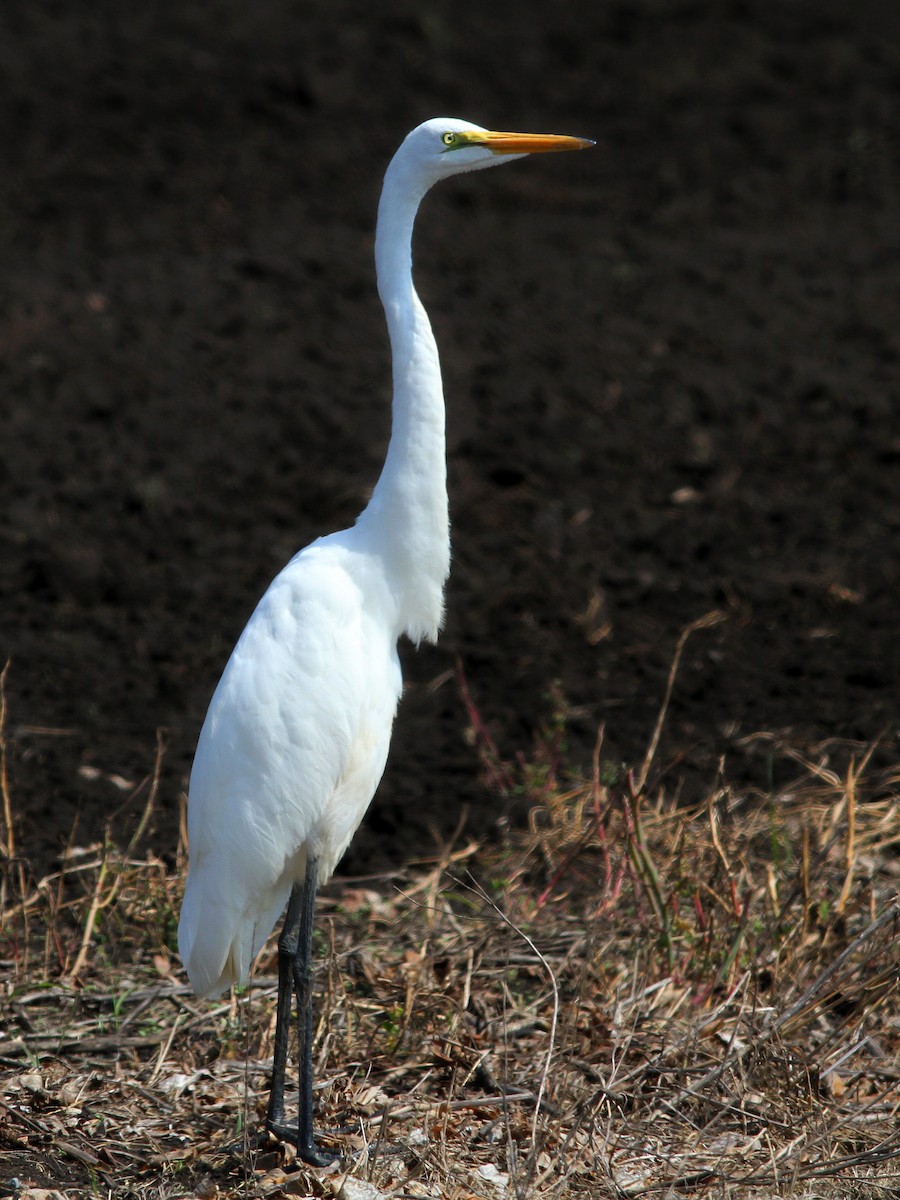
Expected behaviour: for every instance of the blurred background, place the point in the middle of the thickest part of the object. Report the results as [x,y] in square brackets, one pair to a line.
[671,369]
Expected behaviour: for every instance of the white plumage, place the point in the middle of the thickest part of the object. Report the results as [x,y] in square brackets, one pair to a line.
[297,733]
[291,752]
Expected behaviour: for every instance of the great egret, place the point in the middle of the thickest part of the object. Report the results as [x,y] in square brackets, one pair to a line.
[296,736]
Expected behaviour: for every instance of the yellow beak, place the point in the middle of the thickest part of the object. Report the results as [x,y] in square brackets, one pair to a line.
[531,143]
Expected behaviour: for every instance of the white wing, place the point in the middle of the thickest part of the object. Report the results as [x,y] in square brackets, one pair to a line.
[290,754]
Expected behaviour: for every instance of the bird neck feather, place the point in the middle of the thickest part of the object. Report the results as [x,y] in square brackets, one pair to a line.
[408,513]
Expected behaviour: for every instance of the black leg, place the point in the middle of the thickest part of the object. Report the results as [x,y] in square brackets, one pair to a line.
[303,981]
[295,968]
[287,952]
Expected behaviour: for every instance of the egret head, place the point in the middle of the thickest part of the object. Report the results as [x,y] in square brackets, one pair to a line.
[447,146]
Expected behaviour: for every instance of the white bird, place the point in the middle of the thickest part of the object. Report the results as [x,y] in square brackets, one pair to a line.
[296,737]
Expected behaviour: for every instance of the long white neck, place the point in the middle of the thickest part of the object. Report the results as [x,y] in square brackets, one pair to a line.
[407,517]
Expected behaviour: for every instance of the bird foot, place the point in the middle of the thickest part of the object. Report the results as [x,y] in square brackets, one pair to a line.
[309,1152]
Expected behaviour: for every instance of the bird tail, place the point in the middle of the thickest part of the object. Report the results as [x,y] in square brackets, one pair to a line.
[217,944]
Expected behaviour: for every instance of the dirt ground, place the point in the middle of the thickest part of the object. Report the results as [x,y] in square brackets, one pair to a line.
[671,367]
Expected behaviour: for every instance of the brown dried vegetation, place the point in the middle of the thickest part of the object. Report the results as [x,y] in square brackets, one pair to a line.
[627,999]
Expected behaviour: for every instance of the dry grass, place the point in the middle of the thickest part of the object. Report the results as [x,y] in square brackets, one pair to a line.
[627,999]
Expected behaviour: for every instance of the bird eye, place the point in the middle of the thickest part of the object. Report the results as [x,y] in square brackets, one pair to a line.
[449,139]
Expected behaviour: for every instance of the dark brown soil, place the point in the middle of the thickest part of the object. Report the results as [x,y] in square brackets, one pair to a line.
[671,367]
